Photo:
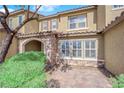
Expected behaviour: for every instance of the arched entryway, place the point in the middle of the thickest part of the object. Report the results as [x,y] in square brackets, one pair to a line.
[31,44]
[34,45]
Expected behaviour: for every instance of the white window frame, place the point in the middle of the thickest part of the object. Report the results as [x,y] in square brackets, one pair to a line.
[21,20]
[90,49]
[10,23]
[113,8]
[76,49]
[82,49]
[65,49]
[77,22]
[1,25]
[56,22]
[43,22]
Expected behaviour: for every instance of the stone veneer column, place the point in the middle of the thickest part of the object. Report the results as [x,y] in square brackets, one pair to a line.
[51,48]
[50,45]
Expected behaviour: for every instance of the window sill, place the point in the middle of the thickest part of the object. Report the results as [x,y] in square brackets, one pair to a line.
[45,30]
[49,30]
[54,30]
[117,8]
[84,59]
[77,29]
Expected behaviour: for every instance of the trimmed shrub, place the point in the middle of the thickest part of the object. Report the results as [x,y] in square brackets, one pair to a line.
[118,82]
[24,70]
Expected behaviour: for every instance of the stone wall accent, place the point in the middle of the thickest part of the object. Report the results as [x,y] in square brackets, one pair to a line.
[49,42]
[23,42]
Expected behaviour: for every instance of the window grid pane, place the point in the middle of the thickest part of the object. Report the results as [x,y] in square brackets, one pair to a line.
[117,6]
[77,21]
[20,20]
[77,49]
[90,49]
[54,24]
[45,25]
[10,23]
[72,25]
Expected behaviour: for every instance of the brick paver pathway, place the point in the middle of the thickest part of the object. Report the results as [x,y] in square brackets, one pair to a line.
[81,77]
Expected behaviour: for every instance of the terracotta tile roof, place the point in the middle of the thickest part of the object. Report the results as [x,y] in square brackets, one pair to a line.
[69,11]
[21,35]
[22,10]
[60,34]
[80,33]
[113,23]
[77,9]
[58,13]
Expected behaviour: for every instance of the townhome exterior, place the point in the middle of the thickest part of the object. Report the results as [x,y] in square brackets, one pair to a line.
[14,20]
[74,35]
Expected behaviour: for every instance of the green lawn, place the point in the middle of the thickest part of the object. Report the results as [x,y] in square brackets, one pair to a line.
[23,70]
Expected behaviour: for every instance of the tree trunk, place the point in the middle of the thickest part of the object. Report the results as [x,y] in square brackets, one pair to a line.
[5,46]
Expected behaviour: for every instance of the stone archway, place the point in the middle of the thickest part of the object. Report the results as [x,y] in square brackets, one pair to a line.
[48,45]
[34,45]
[31,44]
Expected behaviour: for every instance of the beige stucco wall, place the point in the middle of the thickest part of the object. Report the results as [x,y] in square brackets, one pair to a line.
[111,14]
[14,46]
[13,50]
[63,21]
[100,17]
[2,35]
[114,49]
[15,21]
[32,26]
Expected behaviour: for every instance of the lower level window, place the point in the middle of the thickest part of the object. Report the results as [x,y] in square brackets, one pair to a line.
[85,49]
[65,49]
[76,49]
[117,6]
[90,48]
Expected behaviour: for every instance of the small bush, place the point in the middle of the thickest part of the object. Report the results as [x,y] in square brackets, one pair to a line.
[118,82]
[23,70]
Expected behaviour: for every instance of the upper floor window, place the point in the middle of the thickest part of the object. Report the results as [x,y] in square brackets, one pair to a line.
[10,23]
[76,22]
[1,25]
[54,24]
[20,19]
[45,25]
[117,6]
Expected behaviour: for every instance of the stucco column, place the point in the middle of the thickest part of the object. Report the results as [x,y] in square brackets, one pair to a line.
[21,49]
